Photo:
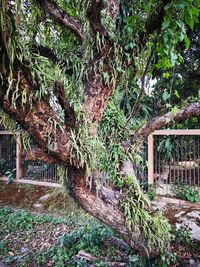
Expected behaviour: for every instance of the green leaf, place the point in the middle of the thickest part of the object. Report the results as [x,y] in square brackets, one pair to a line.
[166,75]
[186,41]
[165,24]
[165,96]
[174,110]
[176,94]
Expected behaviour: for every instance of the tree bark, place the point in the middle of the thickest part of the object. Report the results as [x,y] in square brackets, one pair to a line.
[38,119]
[106,208]
[192,110]
[62,18]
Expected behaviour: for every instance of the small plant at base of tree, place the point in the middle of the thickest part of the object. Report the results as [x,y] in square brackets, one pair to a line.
[10,175]
[185,192]
[181,235]
[151,192]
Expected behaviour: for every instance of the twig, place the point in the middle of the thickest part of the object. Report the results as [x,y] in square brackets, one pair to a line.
[138,100]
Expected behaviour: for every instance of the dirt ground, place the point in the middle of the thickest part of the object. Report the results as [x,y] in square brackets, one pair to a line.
[37,198]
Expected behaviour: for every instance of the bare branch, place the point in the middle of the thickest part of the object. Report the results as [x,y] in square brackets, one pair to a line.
[62,17]
[193,110]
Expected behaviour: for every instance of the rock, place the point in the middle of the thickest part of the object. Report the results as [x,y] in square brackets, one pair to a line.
[3,264]
[44,198]
[38,206]
[192,262]
[182,214]
[158,205]
[192,225]
[84,255]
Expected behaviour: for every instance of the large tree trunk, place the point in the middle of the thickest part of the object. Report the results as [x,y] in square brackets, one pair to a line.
[105,205]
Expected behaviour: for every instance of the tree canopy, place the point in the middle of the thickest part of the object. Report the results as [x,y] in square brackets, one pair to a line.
[86,82]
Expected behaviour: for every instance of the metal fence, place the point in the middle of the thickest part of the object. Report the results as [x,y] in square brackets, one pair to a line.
[174,159]
[14,164]
[7,154]
[40,171]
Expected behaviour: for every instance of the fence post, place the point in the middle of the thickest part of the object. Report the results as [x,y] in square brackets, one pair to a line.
[18,157]
[150,160]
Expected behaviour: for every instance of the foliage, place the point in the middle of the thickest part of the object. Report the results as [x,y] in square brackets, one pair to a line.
[10,175]
[138,218]
[151,193]
[167,259]
[185,192]
[83,233]
[88,237]
[181,235]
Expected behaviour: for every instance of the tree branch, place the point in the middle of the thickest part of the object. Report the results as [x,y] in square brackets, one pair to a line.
[36,153]
[62,18]
[70,118]
[193,110]
[39,119]
[94,14]
[46,52]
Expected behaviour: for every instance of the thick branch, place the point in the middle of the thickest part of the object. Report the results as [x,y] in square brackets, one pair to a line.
[62,17]
[36,153]
[97,90]
[39,119]
[94,14]
[193,110]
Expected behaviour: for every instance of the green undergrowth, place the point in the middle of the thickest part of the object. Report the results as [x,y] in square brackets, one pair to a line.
[185,192]
[21,245]
[28,239]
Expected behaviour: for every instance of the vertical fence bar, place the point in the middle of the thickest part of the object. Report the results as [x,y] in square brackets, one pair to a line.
[150,160]
[18,157]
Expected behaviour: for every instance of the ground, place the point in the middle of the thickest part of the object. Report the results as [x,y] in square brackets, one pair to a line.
[40,226]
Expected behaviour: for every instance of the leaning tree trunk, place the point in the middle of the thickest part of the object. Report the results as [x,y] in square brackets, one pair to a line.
[105,206]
